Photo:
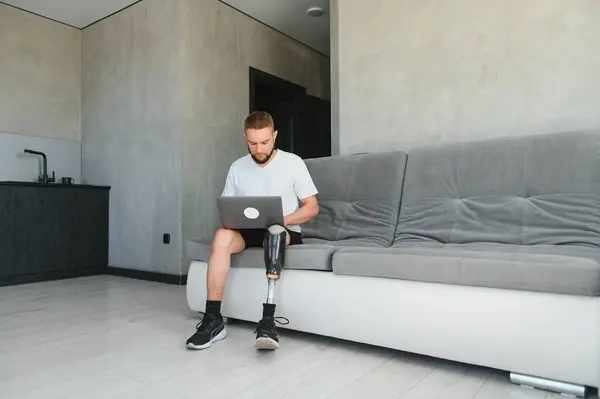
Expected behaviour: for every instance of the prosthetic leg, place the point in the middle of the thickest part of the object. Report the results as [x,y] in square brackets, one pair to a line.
[275,243]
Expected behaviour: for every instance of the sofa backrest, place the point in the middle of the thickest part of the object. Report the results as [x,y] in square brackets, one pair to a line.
[542,189]
[359,197]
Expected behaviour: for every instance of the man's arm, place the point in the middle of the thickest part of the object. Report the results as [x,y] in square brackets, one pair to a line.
[308,210]
[307,193]
[229,189]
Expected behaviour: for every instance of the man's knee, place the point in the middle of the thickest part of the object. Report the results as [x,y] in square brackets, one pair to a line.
[223,240]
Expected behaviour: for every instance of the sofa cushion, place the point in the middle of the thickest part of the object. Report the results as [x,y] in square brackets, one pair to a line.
[568,269]
[303,257]
[343,243]
[354,204]
[542,189]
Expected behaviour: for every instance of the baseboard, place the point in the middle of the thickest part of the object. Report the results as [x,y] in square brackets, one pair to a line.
[148,276]
[74,273]
[49,276]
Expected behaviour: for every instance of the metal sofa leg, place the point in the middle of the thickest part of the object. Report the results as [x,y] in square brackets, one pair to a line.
[564,388]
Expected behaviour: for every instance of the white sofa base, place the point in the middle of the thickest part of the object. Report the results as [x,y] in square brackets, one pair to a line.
[548,336]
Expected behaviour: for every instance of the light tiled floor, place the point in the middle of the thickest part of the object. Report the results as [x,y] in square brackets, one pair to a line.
[111,337]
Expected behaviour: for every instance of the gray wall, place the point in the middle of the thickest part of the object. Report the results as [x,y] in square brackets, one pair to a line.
[165,89]
[40,95]
[40,76]
[221,45]
[418,72]
[334,77]
[132,130]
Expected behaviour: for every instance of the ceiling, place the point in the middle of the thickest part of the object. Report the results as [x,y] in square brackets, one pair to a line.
[286,16]
[290,17]
[77,13]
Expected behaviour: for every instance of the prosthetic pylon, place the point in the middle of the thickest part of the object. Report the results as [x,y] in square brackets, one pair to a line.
[275,242]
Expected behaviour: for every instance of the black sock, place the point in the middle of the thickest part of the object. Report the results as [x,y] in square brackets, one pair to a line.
[213,307]
[268,310]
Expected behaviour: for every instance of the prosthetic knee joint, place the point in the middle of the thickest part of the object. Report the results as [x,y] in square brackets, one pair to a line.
[275,242]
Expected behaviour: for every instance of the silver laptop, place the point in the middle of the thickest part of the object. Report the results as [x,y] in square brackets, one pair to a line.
[245,212]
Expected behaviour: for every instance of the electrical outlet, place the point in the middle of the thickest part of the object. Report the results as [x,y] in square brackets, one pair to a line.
[166,238]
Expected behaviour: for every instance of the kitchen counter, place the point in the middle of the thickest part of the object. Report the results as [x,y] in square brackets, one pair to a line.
[53,185]
[52,231]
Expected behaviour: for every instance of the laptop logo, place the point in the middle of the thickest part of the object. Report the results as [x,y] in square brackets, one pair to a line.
[251,213]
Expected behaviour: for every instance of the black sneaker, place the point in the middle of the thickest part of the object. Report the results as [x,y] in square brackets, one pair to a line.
[210,329]
[266,333]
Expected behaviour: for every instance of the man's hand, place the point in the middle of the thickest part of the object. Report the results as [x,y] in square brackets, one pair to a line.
[308,210]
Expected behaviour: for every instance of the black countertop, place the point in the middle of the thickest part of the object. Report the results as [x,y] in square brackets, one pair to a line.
[53,185]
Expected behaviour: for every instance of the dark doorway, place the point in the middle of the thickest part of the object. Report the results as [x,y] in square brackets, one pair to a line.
[314,139]
[302,121]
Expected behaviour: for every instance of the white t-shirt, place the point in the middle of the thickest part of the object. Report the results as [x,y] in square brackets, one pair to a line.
[285,175]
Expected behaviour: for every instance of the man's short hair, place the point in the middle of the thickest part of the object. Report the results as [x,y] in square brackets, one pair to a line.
[259,120]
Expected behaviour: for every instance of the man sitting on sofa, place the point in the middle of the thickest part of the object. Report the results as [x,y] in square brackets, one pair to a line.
[265,171]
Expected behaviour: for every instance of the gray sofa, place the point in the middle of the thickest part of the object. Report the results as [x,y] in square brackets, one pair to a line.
[484,252]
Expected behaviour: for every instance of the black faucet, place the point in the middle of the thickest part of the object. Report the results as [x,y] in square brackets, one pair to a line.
[44,178]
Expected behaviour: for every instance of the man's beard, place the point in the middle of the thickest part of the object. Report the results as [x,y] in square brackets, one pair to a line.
[262,161]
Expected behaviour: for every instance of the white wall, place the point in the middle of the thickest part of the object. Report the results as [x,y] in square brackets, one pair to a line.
[64,158]
[40,76]
[419,72]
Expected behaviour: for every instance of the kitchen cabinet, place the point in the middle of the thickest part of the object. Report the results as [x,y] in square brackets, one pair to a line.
[52,231]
